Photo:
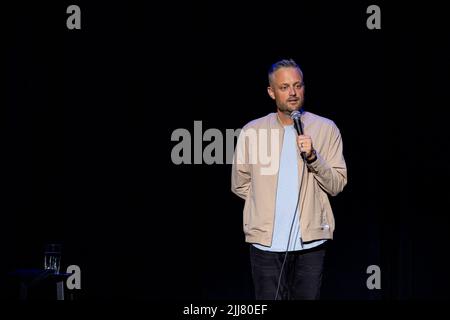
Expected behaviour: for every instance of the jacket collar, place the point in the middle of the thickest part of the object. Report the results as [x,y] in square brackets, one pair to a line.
[276,121]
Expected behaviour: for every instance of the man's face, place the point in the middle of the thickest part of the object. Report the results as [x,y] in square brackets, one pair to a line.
[287,89]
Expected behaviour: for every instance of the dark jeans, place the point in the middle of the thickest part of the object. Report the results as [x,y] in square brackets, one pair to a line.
[301,278]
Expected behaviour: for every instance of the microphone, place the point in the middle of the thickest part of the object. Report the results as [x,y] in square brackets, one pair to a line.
[296,115]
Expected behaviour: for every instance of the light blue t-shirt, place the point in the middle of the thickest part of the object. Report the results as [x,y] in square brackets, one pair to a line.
[286,199]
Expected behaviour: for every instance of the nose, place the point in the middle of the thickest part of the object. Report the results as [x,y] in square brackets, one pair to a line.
[292,91]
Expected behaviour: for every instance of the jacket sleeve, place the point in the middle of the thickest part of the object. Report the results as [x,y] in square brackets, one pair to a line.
[329,168]
[240,171]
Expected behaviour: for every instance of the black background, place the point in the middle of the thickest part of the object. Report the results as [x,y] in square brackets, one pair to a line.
[88,115]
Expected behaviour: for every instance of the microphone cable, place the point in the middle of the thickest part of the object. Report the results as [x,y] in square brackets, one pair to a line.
[292,225]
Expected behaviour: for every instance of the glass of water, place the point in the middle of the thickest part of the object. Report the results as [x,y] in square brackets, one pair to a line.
[52,255]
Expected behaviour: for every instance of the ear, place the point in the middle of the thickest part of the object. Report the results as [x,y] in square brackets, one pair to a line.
[271,92]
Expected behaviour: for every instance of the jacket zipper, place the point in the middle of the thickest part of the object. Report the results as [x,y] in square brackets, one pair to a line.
[304,169]
[276,190]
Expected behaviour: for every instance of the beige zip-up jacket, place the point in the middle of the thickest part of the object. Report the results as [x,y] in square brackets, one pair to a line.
[255,174]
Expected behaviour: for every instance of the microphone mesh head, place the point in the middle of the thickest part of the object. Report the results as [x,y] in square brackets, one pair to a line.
[295,115]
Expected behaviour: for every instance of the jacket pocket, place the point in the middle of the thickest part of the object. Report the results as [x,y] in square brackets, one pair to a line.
[247,209]
[323,211]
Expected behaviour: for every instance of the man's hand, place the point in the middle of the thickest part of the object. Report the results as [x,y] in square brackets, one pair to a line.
[305,145]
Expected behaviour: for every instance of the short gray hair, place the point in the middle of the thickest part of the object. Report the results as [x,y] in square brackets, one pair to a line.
[285,63]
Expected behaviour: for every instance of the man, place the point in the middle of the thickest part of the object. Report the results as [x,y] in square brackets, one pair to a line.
[287,213]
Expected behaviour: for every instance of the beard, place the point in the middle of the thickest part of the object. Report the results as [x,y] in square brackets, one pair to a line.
[287,107]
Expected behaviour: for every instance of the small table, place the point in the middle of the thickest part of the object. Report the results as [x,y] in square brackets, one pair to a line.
[32,277]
